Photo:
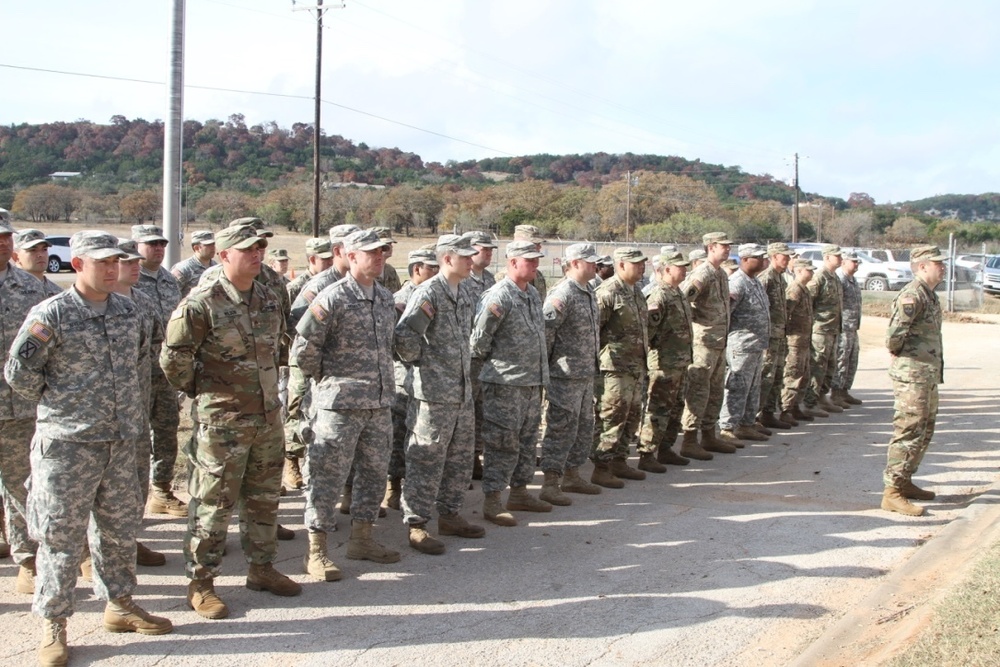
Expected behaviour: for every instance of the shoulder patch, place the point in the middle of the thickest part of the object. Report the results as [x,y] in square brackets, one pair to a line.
[27,349]
[653,307]
[558,304]
[318,311]
[308,295]
[40,331]
[495,309]
[427,307]
[907,299]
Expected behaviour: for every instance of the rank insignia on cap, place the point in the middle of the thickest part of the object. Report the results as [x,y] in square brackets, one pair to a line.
[40,331]
[318,311]
[427,308]
[496,310]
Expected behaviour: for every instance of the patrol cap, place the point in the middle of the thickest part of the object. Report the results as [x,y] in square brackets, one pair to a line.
[675,258]
[585,251]
[481,239]
[131,249]
[384,233]
[255,223]
[94,244]
[605,260]
[460,245]
[364,240]
[422,256]
[803,264]
[730,264]
[716,237]
[752,250]
[927,253]
[338,232]
[202,237]
[148,234]
[528,233]
[831,249]
[6,227]
[240,237]
[697,253]
[26,239]
[319,248]
[779,248]
[525,249]
[278,253]
[851,255]
[633,255]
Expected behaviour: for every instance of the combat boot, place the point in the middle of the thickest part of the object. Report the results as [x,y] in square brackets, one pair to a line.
[362,546]
[744,432]
[422,541]
[87,567]
[768,420]
[851,399]
[573,483]
[602,476]
[826,404]
[25,582]
[53,651]
[666,455]
[894,501]
[202,598]
[727,436]
[284,534]
[800,414]
[124,615]
[317,563]
[147,557]
[519,500]
[760,428]
[724,444]
[551,493]
[648,462]
[787,417]
[263,577]
[477,467]
[393,492]
[493,510]
[621,469]
[837,398]
[4,544]
[815,411]
[163,501]
[345,500]
[293,473]
[455,524]
[691,449]
[914,492]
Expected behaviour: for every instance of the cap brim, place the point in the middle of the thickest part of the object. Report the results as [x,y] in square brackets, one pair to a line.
[484,245]
[466,252]
[151,238]
[323,255]
[249,243]
[529,255]
[31,244]
[265,233]
[101,253]
[368,247]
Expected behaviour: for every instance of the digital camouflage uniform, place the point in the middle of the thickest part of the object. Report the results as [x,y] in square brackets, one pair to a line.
[345,345]
[670,354]
[295,285]
[624,343]
[916,369]
[827,304]
[188,272]
[149,368]
[798,333]
[749,333]
[773,371]
[849,346]
[19,293]
[222,351]
[400,431]
[478,285]
[80,367]
[508,338]
[433,334]
[707,290]
[573,342]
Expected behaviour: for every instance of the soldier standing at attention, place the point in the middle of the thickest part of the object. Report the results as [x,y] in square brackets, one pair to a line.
[798,332]
[31,253]
[532,234]
[480,280]
[76,356]
[847,350]
[624,340]
[605,269]
[827,302]
[345,345]
[773,280]
[389,278]
[221,350]
[669,318]
[573,342]
[338,269]
[188,271]
[508,340]
[278,260]
[162,287]
[433,334]
[916,369]
[319,256]
[707,289]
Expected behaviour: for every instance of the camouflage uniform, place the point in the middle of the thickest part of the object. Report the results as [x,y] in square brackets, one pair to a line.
[624,343]
[847,350]
[670,354]
[478,285]
[508,338]
[222,351]
[295,285]
[777,348]
[798,331]
[389,278]
[916,369]
[19,293]
[573,342]
[80,366]
[313,286]
[149,368]
[749,332]
[345,345]
[433,334]
[827,303]
[188,272]
[707,289]
[400,430]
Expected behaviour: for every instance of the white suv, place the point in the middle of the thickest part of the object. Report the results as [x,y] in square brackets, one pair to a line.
[58,253]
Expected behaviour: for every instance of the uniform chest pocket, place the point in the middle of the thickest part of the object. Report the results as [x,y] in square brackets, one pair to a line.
[230,340]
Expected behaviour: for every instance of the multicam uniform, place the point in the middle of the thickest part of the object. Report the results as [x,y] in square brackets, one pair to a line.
[79,365]
[188,272]
[798,331]
[389,279]
[827,303]
[749,332]
[707,289]
[777,348]
[848,348]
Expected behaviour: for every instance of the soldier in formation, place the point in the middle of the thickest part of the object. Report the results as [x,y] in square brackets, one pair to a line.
[827,296]
[773,278]
[798,336]
[480,280]
[31,253]
[849,345]
[188,271]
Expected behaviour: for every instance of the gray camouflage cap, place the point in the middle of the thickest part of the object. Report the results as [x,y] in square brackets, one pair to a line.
[460,245]
[605,260]
[667,249]
[422,256]
[240,238]
[6,227]
[525,249]
[585,251]
[147,233]
[339,232]
[278,253]
[752,250]
[26,239]
[364,240]
[696,254]
[633,255]
[481,239]
[803,264]
[851,255]
[94,244]
[131,249]
[321,248]
[384,233]
[202,237]
[255,223]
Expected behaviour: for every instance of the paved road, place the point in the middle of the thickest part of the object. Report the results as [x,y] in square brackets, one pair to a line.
[743,560]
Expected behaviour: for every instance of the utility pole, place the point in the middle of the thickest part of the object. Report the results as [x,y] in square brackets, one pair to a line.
[628,201]
[795,211]
[173,137]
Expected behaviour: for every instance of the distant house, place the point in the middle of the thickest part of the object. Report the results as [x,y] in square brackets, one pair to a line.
[63,175]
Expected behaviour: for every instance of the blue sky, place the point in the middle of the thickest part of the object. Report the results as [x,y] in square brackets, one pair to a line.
[897,99]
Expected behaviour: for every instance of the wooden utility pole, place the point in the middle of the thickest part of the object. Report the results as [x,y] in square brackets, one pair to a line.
[316,125]
[795,210]
[628,202]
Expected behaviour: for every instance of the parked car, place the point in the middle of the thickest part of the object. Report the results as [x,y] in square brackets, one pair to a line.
[58,254]
[883,270]
[991,275]
[974,262]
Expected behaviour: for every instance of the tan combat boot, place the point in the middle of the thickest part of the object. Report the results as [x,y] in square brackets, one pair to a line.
[724,443]
[914,492]
[317,563]
[519,500]
[147,557]
[852,399]
[760,428]
[163,501]
[422,541]
[124,615]
[53,651]
[263,577]
[602,476]
[691,449]
[789,418]
[666,455]
[87,567]
[768,420]
[800,414]
[551,491]
[393,492]
[362,546]
[202,598]
[648,463]
[345,500]
[894,501]
[293,473]
[455,524]
[744,432]
[828,405]
[814,411]
[573,483]
[25,582]
[838,397]
[493,510]
[621,469]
